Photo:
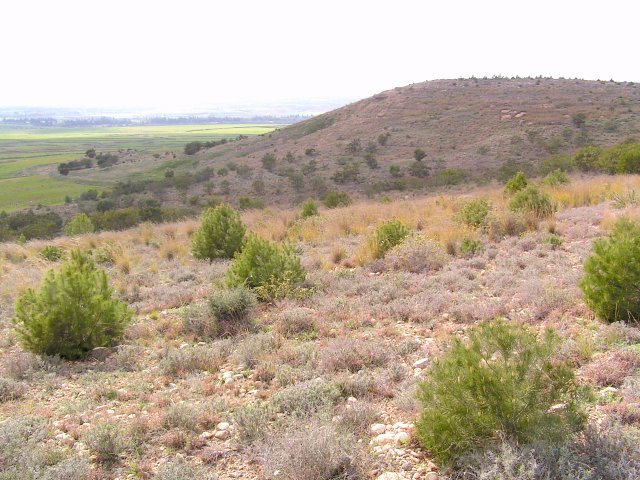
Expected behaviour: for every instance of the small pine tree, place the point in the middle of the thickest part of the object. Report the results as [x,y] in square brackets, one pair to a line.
[309,209]
[73,313]
[220,235]
[388,235]
[516,183]
[79,225]
[475,213]
[501,383]
[612,274]
[531,200]
[272,269]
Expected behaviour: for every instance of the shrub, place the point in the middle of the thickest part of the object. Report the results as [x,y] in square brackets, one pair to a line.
[388,235]
[517,183]
[502,382]
[419,154]
[325,455]
[475,213]
[531,200]
[554,241]
[106,441]
[232,308]
[79,225]
[182,470]
[419,169]
[220,235]
[346,354]
[51,253]
[272,269]
[450,176]
[10,390]
[587,157]
[612,274]
[611,369]
[415,254]
[305,398]
[560,162]
[309,209]
[252,422]
[269,162]
[249,203]
[394,171]
[470,246]
[73,312]
[181,361]
[555,178]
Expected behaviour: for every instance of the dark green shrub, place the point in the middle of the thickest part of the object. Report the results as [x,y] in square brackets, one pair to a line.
[388,235]
[73,313]
[555,178]
[79,225]
[274,270]
[517,183]
[269,162]
[419,154]
[450,176]
[531,200]
[232,309]
[612,274]
[561,162]
[249,203]
[554,241]
[394,170]
[586,158]
[336,199]
[220,235]
[475,213]
[51,253]
[309,209]
[383,137]
[350,172]
[470,246]
[501,383]
[120,219]
[419,169]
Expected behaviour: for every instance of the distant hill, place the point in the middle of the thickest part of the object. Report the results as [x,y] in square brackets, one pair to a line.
[475,126]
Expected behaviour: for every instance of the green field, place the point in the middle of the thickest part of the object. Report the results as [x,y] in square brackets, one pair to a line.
[29,156]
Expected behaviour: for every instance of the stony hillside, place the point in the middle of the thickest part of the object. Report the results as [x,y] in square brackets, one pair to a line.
[475,126]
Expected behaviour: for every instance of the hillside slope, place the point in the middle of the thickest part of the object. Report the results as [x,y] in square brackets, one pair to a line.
[476,126]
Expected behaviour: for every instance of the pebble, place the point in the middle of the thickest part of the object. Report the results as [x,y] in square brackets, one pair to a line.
[391,476]
[378,428]
[422,363]
[223,426]
[222,434]
[385,438]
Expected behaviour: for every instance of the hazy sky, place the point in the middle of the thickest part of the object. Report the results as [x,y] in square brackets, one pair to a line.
[185,53]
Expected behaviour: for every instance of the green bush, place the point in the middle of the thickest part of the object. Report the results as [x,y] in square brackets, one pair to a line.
[419,154]
[470,246]
[274,270]
[612,274]
[220,235]
[475,213]
[501,383]
[309,209]
[51,253]
[232,309]
[531,200]
[336,199]
[419,169]
[561,162]
[555,178]
[517,183]
[586,158]
[79,225]
[388,235]
[73,313]
[249,203]
[394,170]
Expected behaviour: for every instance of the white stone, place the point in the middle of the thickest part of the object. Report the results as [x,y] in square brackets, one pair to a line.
[422,363]
[378,428]
[385,438]
[222,434]
[402,437]
[223,426]
[226,375]
[391,476]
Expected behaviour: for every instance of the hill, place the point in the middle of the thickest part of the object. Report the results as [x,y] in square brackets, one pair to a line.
[479,127]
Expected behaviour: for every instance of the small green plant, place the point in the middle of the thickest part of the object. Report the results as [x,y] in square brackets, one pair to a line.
[388,235]
[475,213]
[267,267]
[470,246]
[517,183]
[106,441]
[531,200]
[51,253]
[419,154]
[554,240]
[555,178]
[73,313]
[220,235]
[232,309]
[612,274]
[336,199]
[309,209]
[394,170]
[79,225]
[501,383]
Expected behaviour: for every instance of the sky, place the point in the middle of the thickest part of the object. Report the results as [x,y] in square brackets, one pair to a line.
[186,53]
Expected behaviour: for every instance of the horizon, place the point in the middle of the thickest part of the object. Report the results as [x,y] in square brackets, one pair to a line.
[158,56]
